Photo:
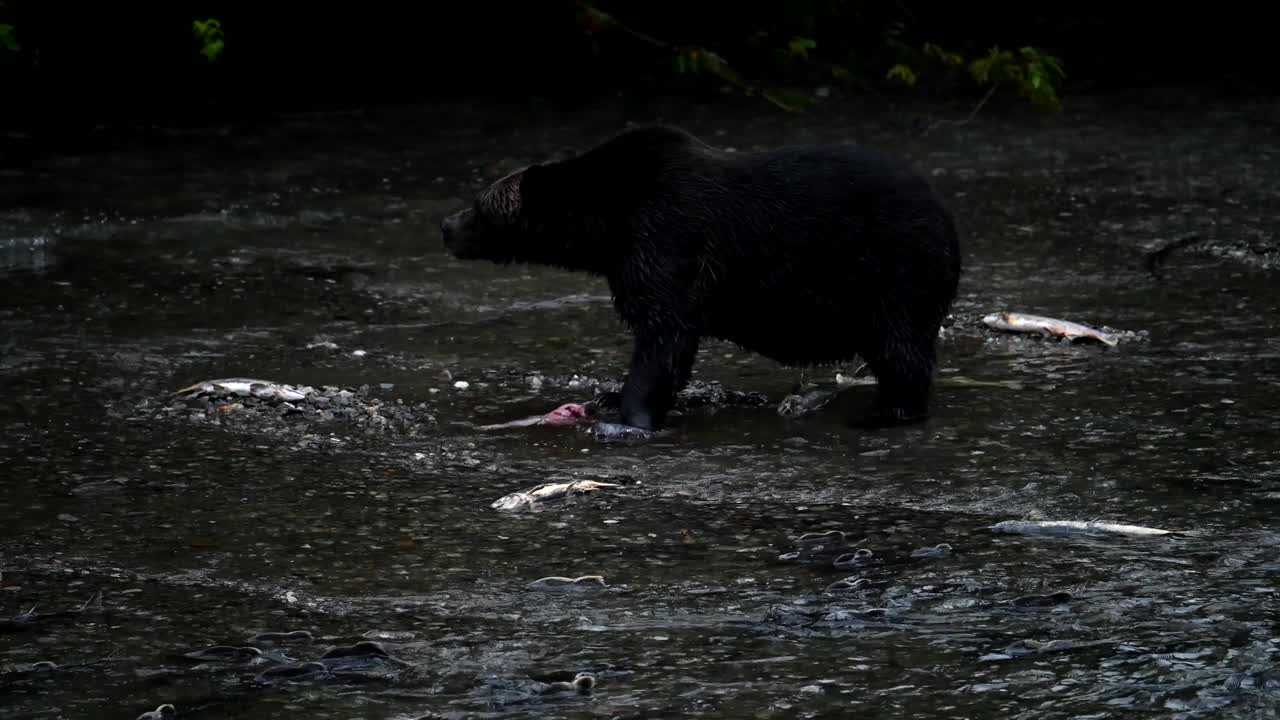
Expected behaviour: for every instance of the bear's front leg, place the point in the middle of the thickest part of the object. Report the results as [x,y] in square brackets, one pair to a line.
[660,367]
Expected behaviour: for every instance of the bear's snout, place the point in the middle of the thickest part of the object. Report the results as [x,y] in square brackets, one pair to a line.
[451,230]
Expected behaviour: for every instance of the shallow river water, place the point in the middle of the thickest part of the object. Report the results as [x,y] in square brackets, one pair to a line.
[305,249]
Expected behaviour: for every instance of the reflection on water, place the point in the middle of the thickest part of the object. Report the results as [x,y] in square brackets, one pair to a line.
[25,253]
[307,252]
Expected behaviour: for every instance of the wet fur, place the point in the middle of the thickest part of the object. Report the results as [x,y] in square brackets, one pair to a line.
[807,255]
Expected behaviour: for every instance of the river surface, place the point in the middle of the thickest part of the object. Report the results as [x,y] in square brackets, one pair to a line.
[306,249]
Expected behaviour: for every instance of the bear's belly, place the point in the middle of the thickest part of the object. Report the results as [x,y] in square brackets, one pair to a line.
[800,340]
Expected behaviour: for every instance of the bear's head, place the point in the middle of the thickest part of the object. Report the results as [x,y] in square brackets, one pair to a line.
[498,225]
[490,228]
[583,211]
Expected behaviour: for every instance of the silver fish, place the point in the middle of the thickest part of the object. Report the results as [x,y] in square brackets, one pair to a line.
[810,538]
[854,559]
[809,399]
[1029,647]
[364,648]
[296,672]
[937,551]
[962,381]
[547,492]
[559,583]
[1094,528]
[163,712]
[583,682]
[849,583]
[1051,327]
[225,653]
[282,636]
[247,387]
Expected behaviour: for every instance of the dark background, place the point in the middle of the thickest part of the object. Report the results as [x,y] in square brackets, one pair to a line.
[138,61]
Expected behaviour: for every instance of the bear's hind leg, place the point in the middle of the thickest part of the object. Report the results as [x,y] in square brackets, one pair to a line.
[903,366]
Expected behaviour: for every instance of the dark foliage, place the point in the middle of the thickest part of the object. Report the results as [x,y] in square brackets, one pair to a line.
[71,61]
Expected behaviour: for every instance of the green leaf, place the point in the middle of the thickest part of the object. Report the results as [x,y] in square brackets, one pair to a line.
[947,58]
[209,33]
[212,50]
[800,47]
[903,74]
[8,39]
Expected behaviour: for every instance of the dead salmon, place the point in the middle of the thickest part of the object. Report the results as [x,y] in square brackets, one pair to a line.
[1074,527]
[567,584]
[547,492]
[1047,326]
[246,387]
[808,399]
[566,415]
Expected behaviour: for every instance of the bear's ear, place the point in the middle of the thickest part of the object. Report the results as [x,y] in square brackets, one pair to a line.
[564,153]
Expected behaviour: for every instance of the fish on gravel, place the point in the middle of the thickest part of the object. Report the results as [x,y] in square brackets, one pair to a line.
[809,399]
[548,492]
[566,415]
[1050,327]
[854,559]
[361,654]
[247,387]
[294,672]
[1090,528]
[621,433]
[99,487]
[582,683]
[280,636]
[1024,648]
[224,653]
[27,618]
[1049,600]
[849,583]
[567,584]
[163,712]
[937,551]
[364,648]
[815,538]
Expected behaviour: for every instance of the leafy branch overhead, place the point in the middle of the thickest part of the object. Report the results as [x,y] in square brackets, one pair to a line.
[1033,74]
[685,59]
[854,49]
[8,38]
[8,34]
[209,34]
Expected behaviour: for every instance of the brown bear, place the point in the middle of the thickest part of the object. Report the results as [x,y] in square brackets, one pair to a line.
[808,255]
